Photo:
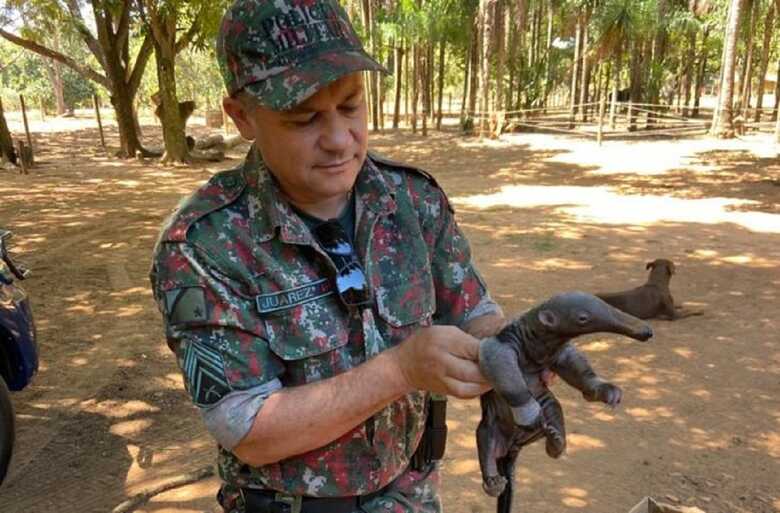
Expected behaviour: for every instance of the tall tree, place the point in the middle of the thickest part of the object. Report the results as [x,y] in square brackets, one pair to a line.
[110,46]
[722,118]
[487,27]
[769,32]
[164,19]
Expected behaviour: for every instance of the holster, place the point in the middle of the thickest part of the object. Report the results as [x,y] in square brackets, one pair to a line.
[434,439]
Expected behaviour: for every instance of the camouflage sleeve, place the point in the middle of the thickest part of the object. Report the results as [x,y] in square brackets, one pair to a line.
[216,335]
[461,293]
[230,419]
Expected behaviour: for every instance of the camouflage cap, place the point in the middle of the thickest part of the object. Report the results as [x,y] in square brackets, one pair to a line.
[283,51]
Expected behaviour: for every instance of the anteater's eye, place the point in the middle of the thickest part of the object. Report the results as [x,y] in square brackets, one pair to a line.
[583,318]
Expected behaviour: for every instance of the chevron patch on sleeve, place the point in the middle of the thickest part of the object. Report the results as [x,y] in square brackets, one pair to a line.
[205,373]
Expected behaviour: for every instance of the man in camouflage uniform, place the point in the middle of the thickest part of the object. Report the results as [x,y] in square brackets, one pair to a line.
[317,296]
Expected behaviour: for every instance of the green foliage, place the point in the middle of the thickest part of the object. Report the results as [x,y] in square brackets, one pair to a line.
[25,73]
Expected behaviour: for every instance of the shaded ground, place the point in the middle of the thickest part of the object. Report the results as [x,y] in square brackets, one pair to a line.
[106,416]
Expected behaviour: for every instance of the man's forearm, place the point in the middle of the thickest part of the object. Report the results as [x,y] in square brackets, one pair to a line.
[296,420]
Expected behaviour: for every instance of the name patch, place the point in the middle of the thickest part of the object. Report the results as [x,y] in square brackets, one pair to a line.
[282,300]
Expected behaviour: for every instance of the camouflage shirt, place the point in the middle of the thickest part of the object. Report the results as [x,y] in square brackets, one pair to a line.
[248,297]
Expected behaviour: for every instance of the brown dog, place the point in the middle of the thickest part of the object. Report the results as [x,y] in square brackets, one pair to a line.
[653,299]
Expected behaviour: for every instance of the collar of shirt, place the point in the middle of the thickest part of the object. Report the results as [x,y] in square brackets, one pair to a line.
[270,213]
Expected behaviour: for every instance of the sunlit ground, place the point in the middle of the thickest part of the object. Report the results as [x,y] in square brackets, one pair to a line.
[645,157]
[604,205]
[107,412]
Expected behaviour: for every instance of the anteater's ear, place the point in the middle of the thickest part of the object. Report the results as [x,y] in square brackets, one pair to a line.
[548,318]
[650,265]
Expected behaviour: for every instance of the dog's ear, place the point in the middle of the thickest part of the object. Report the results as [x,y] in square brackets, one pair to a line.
[672,269]
[650,265]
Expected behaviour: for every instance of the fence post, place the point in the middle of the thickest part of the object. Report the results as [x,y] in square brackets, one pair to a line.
[602,108]
[99,121]
[24,118]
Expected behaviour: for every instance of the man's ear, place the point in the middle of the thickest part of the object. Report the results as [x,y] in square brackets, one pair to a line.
[548,318]
[235,109]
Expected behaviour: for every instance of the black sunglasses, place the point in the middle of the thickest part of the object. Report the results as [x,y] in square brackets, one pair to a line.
[351,281]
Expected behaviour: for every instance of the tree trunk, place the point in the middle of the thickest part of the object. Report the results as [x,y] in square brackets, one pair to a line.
[722,120]
[689,71]
[615,88]
[466,79]
[474,77]
[7,151]
[769,31]
[441,83]
[701,71]
[635,82]
[163,29]
[585,73]
[429,65]
[373,96]
[425,65]
[408,80]
[500,45]
[54,71]
[399,53]
[776,111]
[746,82]
[486,8]
[548,53]
[173,126]
[415,86]
[575,68]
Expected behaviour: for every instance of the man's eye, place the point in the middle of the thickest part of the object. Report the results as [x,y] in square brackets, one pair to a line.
[303,120]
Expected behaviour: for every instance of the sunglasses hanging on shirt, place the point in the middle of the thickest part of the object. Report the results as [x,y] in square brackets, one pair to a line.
[351,282]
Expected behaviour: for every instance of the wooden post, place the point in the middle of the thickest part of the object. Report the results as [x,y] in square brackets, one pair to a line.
[100,122]
[26,126]
[24,157]
[602,108]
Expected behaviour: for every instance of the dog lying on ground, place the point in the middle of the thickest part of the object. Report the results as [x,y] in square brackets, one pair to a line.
[653,299]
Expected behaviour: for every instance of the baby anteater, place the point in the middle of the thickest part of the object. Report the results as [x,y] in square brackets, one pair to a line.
[521,409]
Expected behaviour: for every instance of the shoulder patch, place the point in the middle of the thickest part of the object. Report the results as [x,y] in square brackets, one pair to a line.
[205,371]
[185,305]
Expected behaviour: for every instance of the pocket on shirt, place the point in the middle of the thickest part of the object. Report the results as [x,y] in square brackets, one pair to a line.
[311,338]
[407,302]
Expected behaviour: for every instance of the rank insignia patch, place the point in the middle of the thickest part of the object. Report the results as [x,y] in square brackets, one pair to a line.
[205,372]
[186,305]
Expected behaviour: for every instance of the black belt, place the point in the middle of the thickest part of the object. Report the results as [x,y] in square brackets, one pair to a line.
[267,501]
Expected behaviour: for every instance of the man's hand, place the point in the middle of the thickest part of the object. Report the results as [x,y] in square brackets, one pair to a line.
[443,360]
[485,326]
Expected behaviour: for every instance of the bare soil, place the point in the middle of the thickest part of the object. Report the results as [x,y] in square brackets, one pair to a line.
[700,425]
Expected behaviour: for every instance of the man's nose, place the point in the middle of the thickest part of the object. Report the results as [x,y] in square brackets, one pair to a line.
[336,134]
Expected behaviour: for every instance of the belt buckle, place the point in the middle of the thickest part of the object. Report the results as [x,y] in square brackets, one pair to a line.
[293,501]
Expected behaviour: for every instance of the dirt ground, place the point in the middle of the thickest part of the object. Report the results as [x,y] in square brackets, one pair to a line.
[700,425]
